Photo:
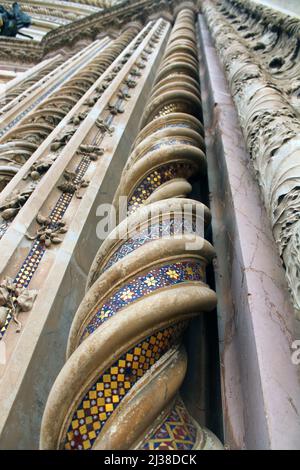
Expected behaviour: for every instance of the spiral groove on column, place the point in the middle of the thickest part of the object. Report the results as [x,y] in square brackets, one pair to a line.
[125,359]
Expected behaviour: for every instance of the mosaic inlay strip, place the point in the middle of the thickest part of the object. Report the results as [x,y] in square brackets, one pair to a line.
[112,386]
[48,92]
[25,274]
[177,432]
[156,278]
[173,227]
[37,251]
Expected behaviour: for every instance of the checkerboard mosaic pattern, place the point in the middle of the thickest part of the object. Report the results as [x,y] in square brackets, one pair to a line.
[110,388]
[177,432]
[157,278]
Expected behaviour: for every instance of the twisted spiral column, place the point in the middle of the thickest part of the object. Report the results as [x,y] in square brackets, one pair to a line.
[125,359]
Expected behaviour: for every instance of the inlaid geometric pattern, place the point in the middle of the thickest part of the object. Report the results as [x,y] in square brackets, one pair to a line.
[37,251]
[154,180]
[177,432]
[157,278]
[30,265]
[111,387]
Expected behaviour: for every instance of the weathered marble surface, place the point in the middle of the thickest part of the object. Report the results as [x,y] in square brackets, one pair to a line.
[271,129]
[261,390]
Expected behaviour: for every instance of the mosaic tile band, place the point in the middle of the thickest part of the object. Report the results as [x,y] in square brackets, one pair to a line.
[155,179]
[166,228]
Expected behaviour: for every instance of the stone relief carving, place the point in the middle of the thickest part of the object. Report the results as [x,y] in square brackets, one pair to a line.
[124,274]
[40,122]
[12,206]
[25,84]
[72,184]
[91,25]
[87,153]
[48,231]
[104,127]
[40,167]
[274,38]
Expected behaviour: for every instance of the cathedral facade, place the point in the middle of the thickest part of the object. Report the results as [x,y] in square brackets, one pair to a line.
[150,252]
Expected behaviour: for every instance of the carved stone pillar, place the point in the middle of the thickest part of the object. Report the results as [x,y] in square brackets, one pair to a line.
[125,361]
[15,88]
